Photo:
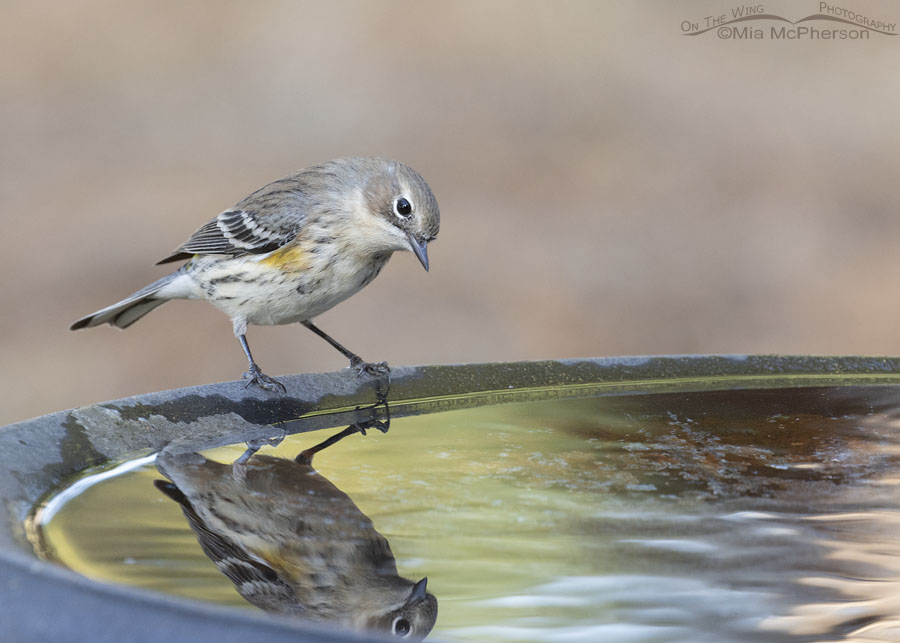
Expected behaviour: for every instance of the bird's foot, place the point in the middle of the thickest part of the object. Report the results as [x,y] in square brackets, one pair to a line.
[263,381]
[381,425]
[255,445]
[375,369]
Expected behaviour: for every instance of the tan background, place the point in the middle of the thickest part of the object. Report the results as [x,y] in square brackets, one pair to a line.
[608,186]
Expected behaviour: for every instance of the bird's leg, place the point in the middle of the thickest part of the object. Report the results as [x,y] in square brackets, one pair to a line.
[306,456]
[357,362]
[255,375]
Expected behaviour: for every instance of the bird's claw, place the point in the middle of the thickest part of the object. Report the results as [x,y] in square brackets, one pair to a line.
[381,425]
[263,381]
[375,369]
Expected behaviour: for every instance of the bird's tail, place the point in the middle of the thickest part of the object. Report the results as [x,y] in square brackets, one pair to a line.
[124,313]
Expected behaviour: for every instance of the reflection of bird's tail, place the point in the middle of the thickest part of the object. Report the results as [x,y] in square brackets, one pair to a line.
[124,313]
[172,491]
[178,496]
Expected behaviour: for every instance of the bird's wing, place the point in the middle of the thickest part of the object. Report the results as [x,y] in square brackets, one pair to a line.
[264,221]
[252,577]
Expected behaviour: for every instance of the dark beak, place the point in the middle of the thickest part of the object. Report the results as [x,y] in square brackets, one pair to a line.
[418,592]
[419,248]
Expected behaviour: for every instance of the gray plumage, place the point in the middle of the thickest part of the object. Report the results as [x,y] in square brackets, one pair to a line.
[293,543]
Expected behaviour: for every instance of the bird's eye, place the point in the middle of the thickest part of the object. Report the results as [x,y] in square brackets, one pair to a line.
[402,207]
[401,627]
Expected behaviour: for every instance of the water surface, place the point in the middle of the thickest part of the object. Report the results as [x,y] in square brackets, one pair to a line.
[749,515]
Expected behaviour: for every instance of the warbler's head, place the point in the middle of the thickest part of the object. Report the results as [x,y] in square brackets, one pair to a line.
[396,208]
[412,614]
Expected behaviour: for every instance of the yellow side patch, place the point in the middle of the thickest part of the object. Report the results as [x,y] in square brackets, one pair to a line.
[288,561]
[290,258]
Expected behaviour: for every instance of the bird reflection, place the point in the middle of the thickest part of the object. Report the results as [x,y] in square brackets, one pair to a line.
[294,544]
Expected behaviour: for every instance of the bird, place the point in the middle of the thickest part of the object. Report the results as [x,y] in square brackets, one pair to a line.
[293,249]
[292,543]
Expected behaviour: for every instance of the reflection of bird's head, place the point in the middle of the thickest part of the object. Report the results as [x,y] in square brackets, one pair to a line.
[411,616]
[293,543]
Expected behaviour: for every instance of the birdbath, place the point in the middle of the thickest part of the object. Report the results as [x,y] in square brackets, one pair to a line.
[658,497]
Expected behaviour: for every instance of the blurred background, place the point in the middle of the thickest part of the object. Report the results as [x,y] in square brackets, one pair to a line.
[607,185]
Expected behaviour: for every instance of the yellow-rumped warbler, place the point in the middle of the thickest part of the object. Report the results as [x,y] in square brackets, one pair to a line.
[295,248]
[294,544]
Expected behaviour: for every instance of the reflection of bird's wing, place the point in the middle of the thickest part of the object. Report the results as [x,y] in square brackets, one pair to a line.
[383,561]
[281,529]
[264,221]
[253,578]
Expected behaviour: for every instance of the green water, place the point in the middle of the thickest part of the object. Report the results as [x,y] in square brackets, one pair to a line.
[713,516]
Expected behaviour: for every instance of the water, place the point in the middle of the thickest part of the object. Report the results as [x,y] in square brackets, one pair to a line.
[749,515]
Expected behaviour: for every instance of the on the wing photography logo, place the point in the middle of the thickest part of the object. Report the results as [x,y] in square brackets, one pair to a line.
[753,22]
